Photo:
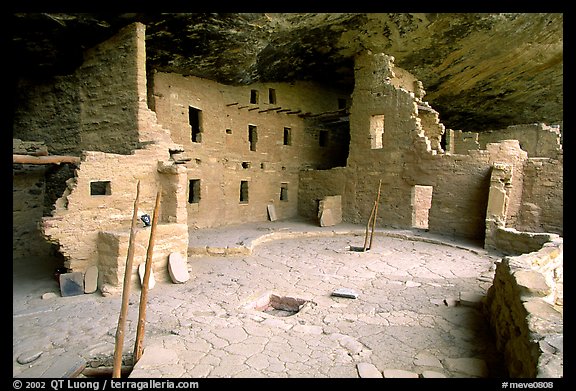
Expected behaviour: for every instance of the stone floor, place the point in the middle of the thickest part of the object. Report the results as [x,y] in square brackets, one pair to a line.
[417,313]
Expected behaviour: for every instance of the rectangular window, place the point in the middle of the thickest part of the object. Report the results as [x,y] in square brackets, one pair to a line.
[323,138]
[195,118]
[287,136]
[271,95]
[284,192]
[244,192]
[252,136]
[253,96]
[100,188]
[194,191]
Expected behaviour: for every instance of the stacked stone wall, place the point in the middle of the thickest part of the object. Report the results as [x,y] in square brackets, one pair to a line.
[542,207]
[525,309]
[100,198]
[538,140]
[285,142]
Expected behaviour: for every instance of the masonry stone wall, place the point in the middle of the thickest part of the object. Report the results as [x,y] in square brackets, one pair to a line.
[525,309]
[403,154]
[542,206]
[285,141]
[538,140]
[100,197]
[49,111]
[461,142]
[92,109]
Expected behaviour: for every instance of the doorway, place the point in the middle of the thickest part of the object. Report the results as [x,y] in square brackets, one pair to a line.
[421,201]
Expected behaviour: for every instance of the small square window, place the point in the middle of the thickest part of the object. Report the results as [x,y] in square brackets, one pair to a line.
[100,188]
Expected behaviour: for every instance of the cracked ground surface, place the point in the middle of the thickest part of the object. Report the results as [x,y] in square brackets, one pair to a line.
[404,318]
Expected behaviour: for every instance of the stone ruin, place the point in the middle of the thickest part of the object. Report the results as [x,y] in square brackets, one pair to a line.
[225,155]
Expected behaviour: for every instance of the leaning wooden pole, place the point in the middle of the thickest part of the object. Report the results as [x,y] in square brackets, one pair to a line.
[138,346]
[368,227]
[375,214]
[116,373]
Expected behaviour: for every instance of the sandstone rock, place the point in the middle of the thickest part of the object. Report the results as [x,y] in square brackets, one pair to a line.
[91,279]
[72,284]
[178,268]
[367,370]
[345,292]
[49,295]
[29,356]
[151,280]
[330,211]
[272,213]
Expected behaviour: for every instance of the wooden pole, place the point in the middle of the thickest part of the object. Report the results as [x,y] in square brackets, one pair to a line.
[138,346]
[54,159]
[375,214]
[368,227]
[116,373]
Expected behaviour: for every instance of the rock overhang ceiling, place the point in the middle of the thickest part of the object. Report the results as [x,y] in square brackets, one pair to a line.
[480,70]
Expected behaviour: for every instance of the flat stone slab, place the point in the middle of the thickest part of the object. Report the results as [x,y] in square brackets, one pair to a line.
[91,279]
[345,292]
[272,212]
[29,356]
[72,284]
[367,370]
[330,211]
[151,279]
[178,268]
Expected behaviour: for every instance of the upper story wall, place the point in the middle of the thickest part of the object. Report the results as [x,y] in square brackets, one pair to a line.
[224,114]
[538,140]
[93,109]
[392,141]
[244,146]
